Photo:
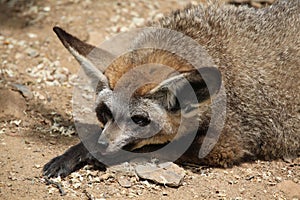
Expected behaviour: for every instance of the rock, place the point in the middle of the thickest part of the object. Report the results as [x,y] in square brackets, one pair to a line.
[60,77]
[47,9]
[167,173]
[124,182]
[138,21]
[19,56]
[25,91]
[291,189]
[37,166]
[12,104]
[123,29]
[32,52]
[106,176]
[32,35]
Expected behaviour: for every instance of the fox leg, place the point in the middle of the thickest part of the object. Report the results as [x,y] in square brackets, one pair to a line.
[73,159]
[76,156]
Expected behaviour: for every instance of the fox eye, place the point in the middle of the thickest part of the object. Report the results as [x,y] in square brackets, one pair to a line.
[140,120]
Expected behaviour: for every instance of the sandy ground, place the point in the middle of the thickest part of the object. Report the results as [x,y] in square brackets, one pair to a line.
[36,128]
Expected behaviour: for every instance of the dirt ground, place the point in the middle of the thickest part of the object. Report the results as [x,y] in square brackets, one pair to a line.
[37,125]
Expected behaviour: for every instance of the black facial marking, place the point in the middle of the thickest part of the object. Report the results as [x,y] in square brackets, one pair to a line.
[103,113]
[141,120]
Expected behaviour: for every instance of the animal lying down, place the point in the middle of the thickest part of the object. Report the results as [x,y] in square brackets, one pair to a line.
[240,105]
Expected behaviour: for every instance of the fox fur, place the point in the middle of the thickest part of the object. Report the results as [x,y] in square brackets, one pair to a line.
[256,53]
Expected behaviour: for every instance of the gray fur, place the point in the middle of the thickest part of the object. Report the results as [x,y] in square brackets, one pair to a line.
[258,53]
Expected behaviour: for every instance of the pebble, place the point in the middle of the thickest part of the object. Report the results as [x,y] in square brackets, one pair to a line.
[31,52]
[25,91]
[138,21]
[47,9]
[50,73]
[106,176]
[278,179]
[167,173]
[32,35]
[41,97]
[60,77]
[123,29]
[92,173]
[37,166]
[76,185]
[124,182]
[18,56]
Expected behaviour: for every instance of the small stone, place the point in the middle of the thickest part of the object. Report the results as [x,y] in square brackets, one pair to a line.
[37,166]
[272,183]
[278,179]
[222,195]
[17,123]
[47,9]
[10,46]
[52,142]
[41,97]
[242,190]
[31,52]
[32,35]
[238,198]
[115,29]
[77,185]
[164,173]
[18,56]
[93,173]
[138,21]
[124,182]
[146,183]
[106,176]
[25,91]
[60,77]
[123,29]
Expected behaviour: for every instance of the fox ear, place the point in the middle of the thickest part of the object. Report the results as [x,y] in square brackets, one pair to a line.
[188,88]
[92,59]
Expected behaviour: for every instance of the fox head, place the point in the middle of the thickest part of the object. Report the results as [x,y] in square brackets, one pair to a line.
[154,112]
